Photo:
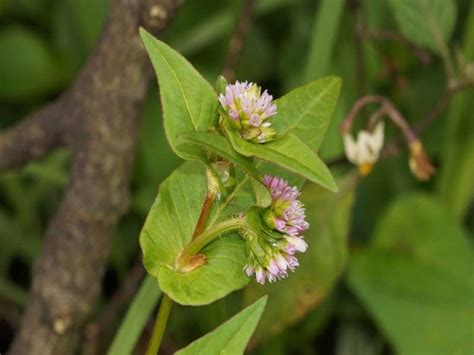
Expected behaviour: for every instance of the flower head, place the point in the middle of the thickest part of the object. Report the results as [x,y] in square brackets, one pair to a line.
[271,251]
[286,213]
[249,110]
[365,150]
[272,259]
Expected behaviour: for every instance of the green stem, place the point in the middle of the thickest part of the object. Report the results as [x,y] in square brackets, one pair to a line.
[160,325]
[212,233]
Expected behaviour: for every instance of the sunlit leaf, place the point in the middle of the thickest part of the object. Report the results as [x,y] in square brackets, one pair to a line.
[189,102]
[290,153]
[307,110]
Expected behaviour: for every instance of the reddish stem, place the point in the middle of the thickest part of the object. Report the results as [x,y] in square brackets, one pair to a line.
[205,210]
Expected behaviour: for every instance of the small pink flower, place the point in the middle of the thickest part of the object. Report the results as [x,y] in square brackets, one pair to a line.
[260,276]
[249,109]
[272,256]
[287,212]
[249,270]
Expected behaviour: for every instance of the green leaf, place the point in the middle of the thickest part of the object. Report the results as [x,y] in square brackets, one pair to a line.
[169,228]
[189,102]
[306,111]
[232,336]
[289,152]
[136,318]
[415,277]
[425,22]
[263,197]
[326,25]
[320,266]
[28,66]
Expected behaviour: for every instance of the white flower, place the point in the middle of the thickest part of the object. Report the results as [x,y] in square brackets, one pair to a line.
[365,150]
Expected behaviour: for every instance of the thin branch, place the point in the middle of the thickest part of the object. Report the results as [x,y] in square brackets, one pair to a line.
[386,108]
[419,162]
[355,7]
[395,147]
[423,56]
[32,138]
[238,38]
[442,104]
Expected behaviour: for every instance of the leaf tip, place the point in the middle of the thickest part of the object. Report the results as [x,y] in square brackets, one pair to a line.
[260,303]
[144,34]
[332,186]
[337,81]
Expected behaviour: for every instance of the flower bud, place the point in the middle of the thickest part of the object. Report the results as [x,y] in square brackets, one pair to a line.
[419,162]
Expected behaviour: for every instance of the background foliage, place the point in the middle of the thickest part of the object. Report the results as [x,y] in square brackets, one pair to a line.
[389,269]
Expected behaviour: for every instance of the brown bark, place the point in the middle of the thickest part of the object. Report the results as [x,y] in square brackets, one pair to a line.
[98,119]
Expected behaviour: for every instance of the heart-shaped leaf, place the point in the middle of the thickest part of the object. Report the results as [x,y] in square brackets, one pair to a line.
[169,228]
[189,102]
[232,336]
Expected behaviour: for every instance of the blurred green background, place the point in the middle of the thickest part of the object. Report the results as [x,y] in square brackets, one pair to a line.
[390,268]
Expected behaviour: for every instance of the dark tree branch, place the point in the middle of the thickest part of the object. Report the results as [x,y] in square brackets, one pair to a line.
[99,122]
[238,38]
[32,138]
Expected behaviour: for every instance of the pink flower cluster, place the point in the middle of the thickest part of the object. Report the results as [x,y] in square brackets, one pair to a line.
[249,109]
[287,211]
[286,216]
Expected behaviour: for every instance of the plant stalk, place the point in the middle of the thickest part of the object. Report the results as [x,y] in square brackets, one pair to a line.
[213,190]
[160,325]
[212,233]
